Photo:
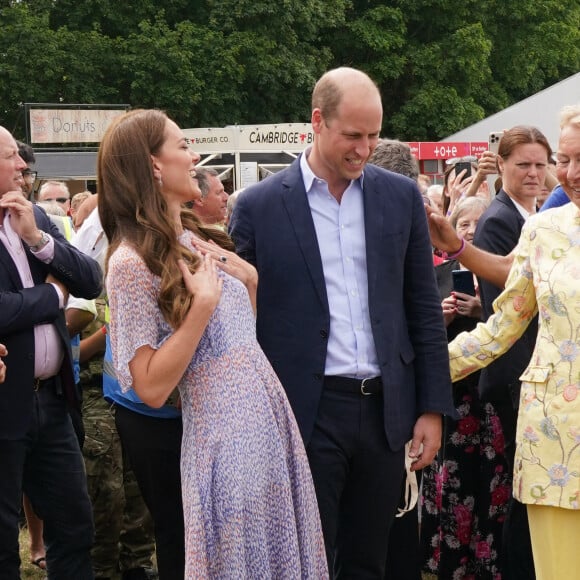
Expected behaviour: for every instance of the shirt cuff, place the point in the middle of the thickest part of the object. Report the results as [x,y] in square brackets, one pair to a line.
[59,294]
[46,254]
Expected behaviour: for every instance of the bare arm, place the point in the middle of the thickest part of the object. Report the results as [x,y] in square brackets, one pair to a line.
[492,267]
[92,345]
[77,319]
[156,373]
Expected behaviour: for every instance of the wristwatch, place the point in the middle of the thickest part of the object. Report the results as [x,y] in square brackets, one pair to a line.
[44,239]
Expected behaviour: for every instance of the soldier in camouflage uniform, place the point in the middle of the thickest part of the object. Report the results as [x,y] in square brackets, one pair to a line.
[124,540]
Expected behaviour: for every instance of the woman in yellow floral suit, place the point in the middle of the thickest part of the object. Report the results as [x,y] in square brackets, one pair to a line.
[544,278]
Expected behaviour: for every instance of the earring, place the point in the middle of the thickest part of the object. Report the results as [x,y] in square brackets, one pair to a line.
[160,182]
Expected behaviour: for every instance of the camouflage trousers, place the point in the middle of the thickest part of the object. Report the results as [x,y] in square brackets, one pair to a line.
[123,526]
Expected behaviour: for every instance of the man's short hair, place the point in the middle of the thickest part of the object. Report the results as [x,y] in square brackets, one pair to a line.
[202,174]
[395,156]
[61,184]
[78,198]
[26,152]
[329,90]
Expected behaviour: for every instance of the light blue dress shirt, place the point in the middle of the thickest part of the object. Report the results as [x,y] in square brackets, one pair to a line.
[340,230]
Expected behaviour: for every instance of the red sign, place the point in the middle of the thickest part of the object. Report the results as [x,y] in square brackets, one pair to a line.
[449,150]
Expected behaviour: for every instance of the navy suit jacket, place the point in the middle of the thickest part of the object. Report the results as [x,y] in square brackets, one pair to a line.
[23,308]
[273,229]
[498,232]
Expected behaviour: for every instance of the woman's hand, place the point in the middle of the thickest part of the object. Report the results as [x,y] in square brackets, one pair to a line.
[457,186]
[228,261]
[467,305]
[449,306]
[205,285]
[487,165]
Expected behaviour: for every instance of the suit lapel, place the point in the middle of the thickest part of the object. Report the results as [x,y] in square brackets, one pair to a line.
[506,199]
[296,204]
[374,228]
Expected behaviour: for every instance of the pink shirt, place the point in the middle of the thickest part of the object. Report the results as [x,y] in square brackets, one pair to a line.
[48,348]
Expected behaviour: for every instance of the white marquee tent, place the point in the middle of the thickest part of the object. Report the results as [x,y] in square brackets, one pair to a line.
[541,110]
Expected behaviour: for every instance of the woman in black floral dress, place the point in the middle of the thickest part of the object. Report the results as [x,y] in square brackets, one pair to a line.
[467,488]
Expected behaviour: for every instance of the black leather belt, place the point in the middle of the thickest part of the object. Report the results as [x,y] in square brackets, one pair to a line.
[41,383]
[372,386]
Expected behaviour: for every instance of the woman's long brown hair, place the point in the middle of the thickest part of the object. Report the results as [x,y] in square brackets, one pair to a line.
[132,208]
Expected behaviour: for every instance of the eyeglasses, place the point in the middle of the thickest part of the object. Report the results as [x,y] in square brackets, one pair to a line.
[57,199]
[466,159]
[28,174]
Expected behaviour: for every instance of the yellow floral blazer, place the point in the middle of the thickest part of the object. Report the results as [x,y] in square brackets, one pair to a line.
[545,277]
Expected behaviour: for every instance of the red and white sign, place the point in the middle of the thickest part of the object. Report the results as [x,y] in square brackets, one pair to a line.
[449,150]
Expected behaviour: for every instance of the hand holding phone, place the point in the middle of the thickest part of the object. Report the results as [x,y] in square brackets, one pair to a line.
[463,165]
[463,282]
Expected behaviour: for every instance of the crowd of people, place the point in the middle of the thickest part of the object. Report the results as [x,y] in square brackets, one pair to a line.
[260,385]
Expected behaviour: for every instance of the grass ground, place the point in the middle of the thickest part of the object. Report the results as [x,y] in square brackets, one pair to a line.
[28,571]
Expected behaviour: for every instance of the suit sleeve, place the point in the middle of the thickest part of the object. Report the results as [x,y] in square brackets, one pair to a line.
[514,310]
[241,230]
[425,319]
[81,275]
[22,308]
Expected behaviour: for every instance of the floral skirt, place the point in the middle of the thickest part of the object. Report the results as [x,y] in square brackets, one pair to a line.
[466,491]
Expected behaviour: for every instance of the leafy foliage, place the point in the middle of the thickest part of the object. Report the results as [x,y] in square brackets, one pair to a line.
[440,64]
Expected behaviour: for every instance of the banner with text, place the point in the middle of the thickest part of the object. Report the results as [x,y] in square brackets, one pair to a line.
[70,125]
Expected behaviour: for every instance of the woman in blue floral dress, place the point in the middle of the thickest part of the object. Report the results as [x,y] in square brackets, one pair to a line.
[182,316]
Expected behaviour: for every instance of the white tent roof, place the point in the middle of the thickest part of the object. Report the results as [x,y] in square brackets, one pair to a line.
[541,110]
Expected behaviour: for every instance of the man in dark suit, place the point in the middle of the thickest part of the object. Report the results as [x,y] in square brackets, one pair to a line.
[522,157]
[39,450]
[349,316]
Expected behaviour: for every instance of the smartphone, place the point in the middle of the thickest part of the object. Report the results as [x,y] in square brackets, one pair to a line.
[459,167]
[493,146]
[494,139]
[463,282]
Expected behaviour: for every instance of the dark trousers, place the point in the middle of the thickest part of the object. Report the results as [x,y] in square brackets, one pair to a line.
[153,447]
[403,558]
[48,465]
[358,483]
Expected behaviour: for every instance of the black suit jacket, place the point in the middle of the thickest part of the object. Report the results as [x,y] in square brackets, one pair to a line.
[273,229]
[23,308]
[498,231]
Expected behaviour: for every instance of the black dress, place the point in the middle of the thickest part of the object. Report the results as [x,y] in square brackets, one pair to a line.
[467,488]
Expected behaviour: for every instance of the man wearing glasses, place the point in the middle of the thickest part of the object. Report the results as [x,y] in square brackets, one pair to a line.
[57,192]
[28,175]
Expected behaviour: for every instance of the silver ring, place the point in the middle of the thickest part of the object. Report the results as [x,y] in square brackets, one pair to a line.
[223,259]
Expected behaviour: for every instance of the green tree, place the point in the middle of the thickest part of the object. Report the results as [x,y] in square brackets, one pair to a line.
[440,64]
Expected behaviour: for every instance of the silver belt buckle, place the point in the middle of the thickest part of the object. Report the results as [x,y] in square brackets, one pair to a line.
[363,390]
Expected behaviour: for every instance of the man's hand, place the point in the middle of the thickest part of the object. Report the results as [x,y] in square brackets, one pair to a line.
[50,279]
[427,432]
[22,216]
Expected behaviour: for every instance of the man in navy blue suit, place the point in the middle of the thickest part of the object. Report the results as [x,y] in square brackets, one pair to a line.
[349,316]
[39,450]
